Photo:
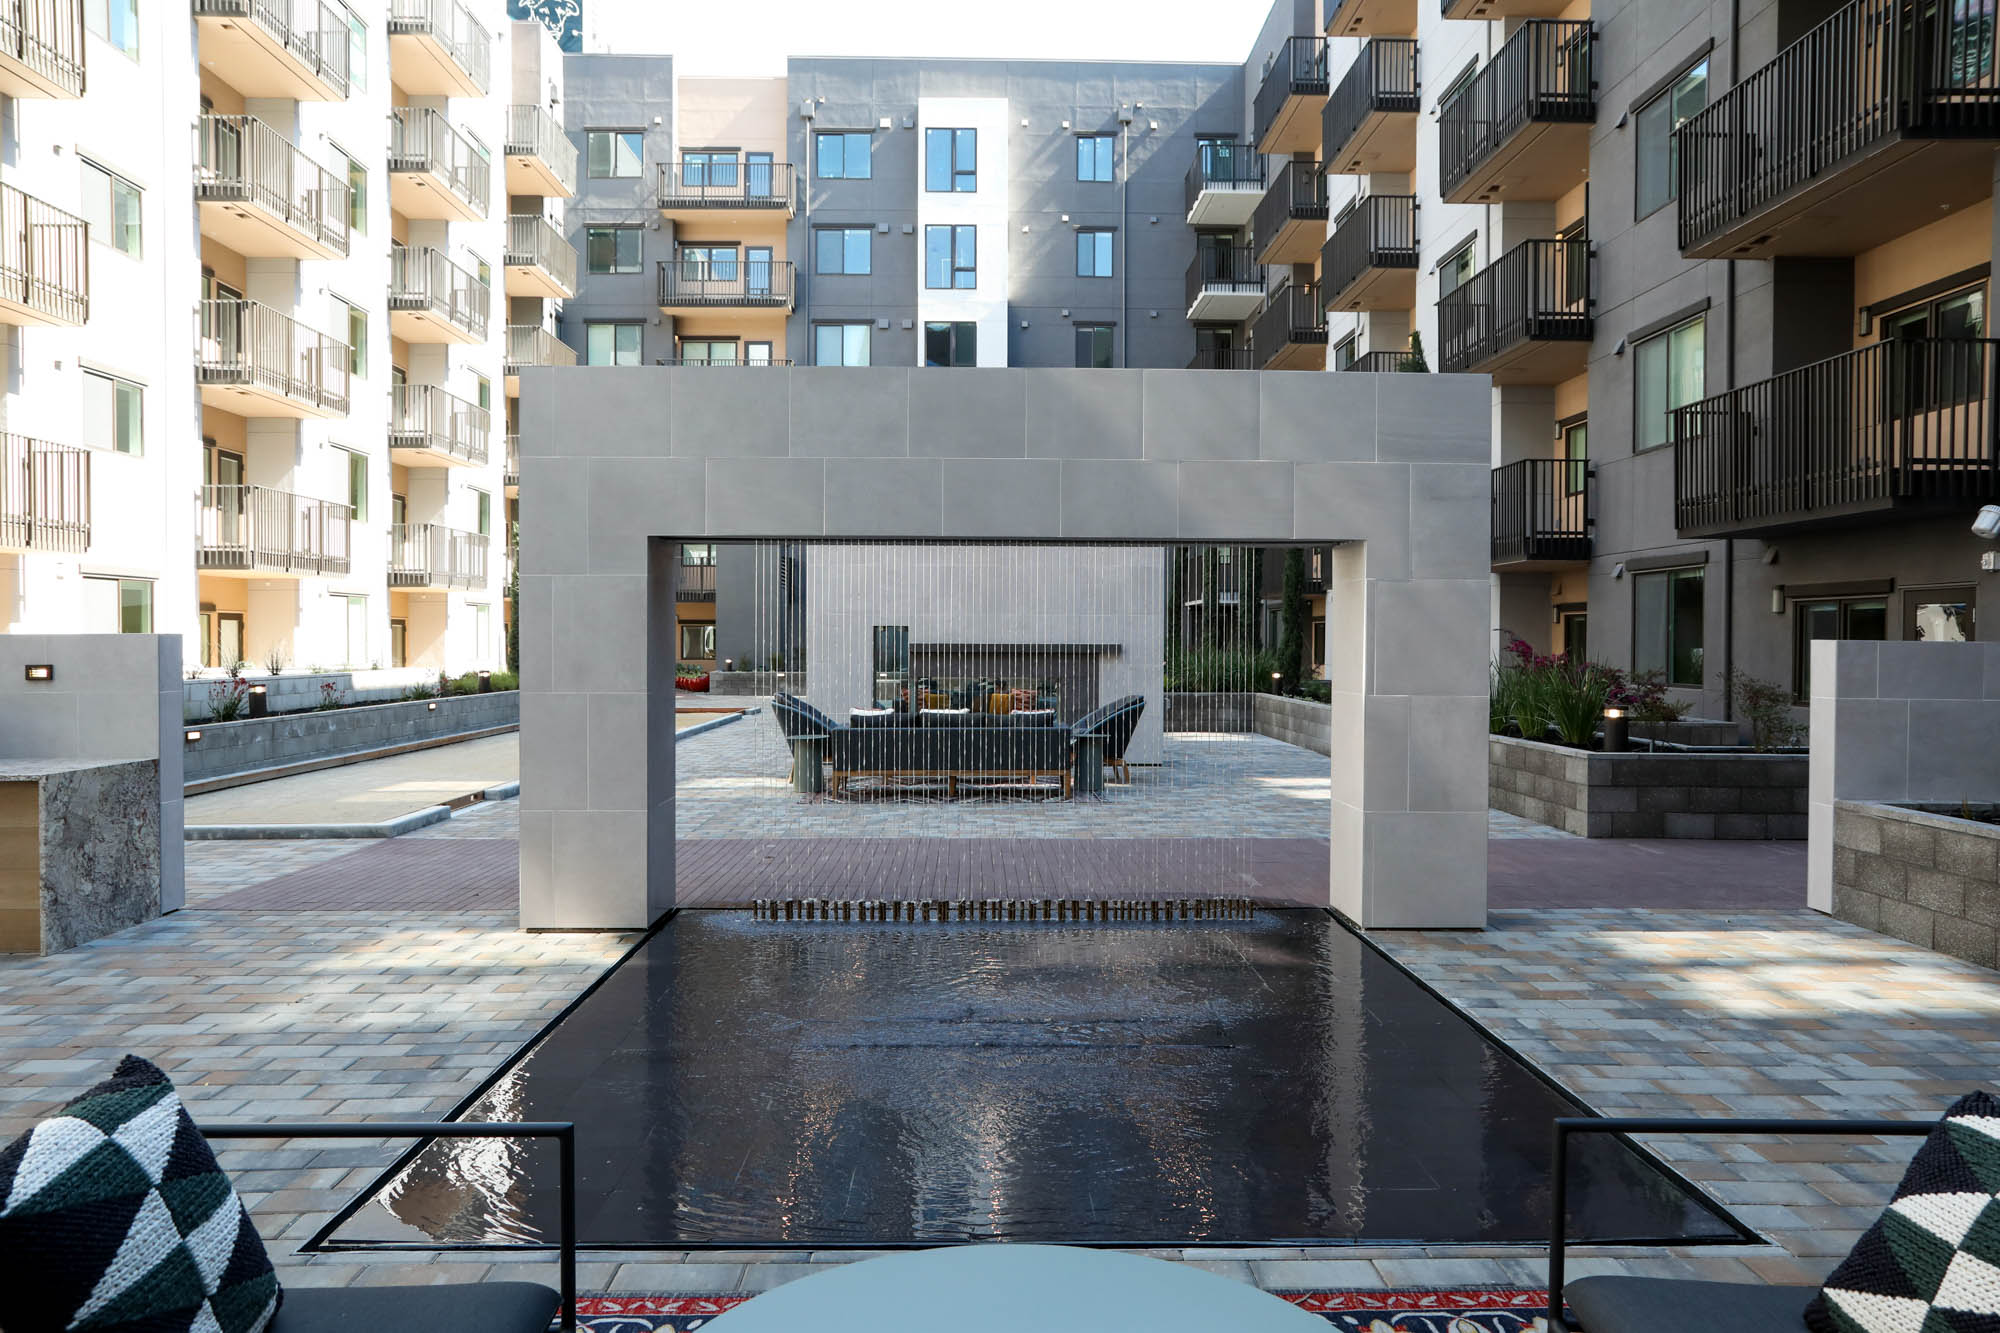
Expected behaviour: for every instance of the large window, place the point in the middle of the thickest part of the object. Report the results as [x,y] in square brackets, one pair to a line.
[615,153]
[1667,624]
[610,344]
[1093,252]
[843,250]
[1457,269]
[612,249]
[1939,615]
[841,344]
[951,344]
[709,166]
[1094,346]
[357,197]
[114,413]
[111,207]
[951,161]
[841,155]
[117,606]
[355,320]
[483,510]
[1096,155]
[951,257]
[1575,446]
[357,52]
[1833,618]
[1657,171]
[698,642]
[357,484]
[1925,375]
[1670,369]
[116,21]
[708,352]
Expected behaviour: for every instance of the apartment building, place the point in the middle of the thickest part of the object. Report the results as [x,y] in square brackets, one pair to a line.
[259,363]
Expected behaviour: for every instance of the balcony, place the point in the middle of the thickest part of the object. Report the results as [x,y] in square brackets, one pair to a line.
[1225,284]
[437,49]
[263,198]
[1290,223]
[44,496]
[41,48]
[1370,121]
[434,171]
[256,362]
[1898,429]
[1505,9]
[1225,184]
[295,49]
[430,555]
[1524,318]
[1222,358]
[541,160]
[696,583]
[44,263]
[1376,363]
[1879,118]
[540,260]
[719,362]
[715,188]
[1541,515]
[255,530]
[431,428]
[1287,109]
[511,478]
[533,345]
[1521,128]
[690,286]
[1370,261]
[1371,18]
[1290,333]
[433,300]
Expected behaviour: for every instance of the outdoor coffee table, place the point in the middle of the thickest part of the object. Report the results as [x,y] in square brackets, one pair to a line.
[1009,1288]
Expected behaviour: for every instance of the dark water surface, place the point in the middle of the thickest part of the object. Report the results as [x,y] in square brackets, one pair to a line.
[756,1084]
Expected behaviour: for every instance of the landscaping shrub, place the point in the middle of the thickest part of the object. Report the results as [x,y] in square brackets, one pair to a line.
[1767,707]
[1533,694]
[229,699]
[1205,669]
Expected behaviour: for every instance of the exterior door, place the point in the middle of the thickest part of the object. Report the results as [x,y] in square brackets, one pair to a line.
[757,270]
[759,176]
[228,639]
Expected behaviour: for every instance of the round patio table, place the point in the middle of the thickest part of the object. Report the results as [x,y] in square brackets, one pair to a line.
[1012,1288]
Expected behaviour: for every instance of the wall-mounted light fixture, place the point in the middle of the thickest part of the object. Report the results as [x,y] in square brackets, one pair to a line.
[1619,350]
[41,671]
[1778,600]
[1618,570]
[192,737]
[432,706]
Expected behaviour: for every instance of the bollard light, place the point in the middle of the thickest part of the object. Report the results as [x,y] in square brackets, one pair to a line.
[486,682]
[1616,730]
[260,701]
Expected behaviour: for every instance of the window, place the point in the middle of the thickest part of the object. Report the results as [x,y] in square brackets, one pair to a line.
[841,344]
[951,257]
[1574,441]
[841,156]
[708,352]
[951,161]
[399,641]
[113,413]
[1924,375]
[702,263]
[1833,618]
[357,485]
[1657,172]
[111,207]
[707,167]
[696,555]
[842,250]
[1939,615]
[1670,371]
[698,642]
[1095,154]
[1093,253]
[356,322]
[610,344]
[1093,346]
[1456,269]
[612,249]
[951,344]
[117,606]
[1667,624]
[756,354]
[357,628]
[357,198]
[357,54]
[484,501]
[1345,351]
[615,153]
[483,392]
[116,21]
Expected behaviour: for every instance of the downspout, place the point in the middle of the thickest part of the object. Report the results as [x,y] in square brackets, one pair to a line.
[1124,240]
[1729,382]
[802,265]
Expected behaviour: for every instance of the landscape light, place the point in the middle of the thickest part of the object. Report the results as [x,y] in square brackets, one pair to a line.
[41,671]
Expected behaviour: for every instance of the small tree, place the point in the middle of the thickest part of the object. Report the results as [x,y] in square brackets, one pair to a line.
[1413,360]
[514,620]
[1292,622]
[1767,707]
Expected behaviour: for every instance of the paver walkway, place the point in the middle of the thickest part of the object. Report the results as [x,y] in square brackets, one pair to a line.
[368,792]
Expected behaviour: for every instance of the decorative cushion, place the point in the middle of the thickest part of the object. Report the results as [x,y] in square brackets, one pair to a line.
[1932,1260]
[872,717]
[1034,717]
[1023,699]
[943,717]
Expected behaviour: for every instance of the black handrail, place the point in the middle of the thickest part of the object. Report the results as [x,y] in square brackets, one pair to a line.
[1383,78]
[1221,358]
[1380,231]
[741,282]
[1229,266]
[1219,164]
[1298,70]
[1297,194]
[1542,75]
[1542,510]
[1379,363]
[1291,314]
[725,183]
[1537,292]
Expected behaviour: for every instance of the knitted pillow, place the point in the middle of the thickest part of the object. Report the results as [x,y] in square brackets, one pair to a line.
[1932,1260]
[114,1216]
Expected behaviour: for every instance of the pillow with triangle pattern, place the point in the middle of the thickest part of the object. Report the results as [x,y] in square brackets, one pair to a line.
[1931,1262]
[115,1218]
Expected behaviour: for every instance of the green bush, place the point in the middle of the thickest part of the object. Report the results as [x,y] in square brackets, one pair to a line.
[1767,707]
[1206,669]
[1532,696]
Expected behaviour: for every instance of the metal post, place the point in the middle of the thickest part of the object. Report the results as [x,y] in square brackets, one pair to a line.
[1558,1212]
[566,1167]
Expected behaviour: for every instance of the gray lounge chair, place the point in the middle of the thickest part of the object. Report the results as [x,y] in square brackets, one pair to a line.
[1115,722]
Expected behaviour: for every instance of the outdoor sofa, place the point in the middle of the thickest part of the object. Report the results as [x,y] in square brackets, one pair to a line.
[1019,747]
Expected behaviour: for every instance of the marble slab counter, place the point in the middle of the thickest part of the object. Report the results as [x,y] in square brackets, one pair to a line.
[79,850]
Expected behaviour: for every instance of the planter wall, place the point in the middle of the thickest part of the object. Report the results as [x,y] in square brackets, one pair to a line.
[227,749]
[1299,722]
[756,682]
[1648,795]
[1922,876]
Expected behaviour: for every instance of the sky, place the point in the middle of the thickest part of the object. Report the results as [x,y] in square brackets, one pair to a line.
[742,38]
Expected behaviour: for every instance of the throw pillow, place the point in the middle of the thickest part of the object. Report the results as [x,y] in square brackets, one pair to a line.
[114,1216]
[1932,1260]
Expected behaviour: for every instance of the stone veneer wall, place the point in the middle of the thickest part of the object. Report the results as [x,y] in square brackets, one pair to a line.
[1648,795]
[1299,722]
[230,748]
[1925,877]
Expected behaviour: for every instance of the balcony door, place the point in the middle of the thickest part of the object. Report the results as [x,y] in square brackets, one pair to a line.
[223,513]
[760,174]
[757,270]
[1221,158]
[1936,362]
[708,352]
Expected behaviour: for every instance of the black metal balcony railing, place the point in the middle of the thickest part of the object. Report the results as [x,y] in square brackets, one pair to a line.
[696,583]
[425,417]
[1222,358]
[259,528]
[1537,292]
[1542,74]
[44,496]
[534,242]
[313,31]
[47,37]
[452,26]
[758,282]
[1299,70]
[533,132]
[250,345]
[1380,231]
[1875,69]
[1230,268]
[1901,423]
[245,161]
[431,555]
[1223,166]
[533,345]
[421,139]
[1379,363]
[1291,315]
[720,362]
[1297,194]
[1541,510]
[422,278]
[725,183]
[44,258]
[1383,78]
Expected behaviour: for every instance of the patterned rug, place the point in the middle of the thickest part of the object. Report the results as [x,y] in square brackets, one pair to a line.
[1456,1310]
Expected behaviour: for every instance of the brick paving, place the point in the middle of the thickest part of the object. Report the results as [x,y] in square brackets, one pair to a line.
[394,875]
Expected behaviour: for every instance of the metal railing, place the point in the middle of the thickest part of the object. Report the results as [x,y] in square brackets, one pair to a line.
[44,257]
[740,282]
[1383,78]
[243,160]
[1542,510]
[1379,363]
[533,132]
[533,345]
[1221,358]
[704,362]
[431,555]
[1876,68]
[47,37]
[725,183]
[452,26]
[511,475]
[1298,70]
[257,527]
[533,241]
[1297,193]
[1231,268]
[422,278]
[1537,292]
[424,416]
[1380,231]
[421,139]
[314,31]
[696,583]
[44,496]
[247,343]
[1292,314]
[1903,421]
[1542,74]
[1223,166]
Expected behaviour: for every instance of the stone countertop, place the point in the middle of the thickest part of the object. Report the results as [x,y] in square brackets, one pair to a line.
[24,770]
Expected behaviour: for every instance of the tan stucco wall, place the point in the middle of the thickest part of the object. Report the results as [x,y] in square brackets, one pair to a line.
[1952,244]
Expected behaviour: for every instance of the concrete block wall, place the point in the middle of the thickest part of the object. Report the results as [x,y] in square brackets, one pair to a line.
[1299,722]
[1596,795]
[227,749]
[1920,876]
